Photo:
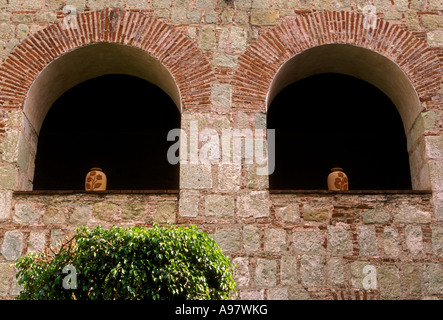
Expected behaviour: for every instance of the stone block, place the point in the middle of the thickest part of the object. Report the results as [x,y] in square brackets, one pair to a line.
[24,214]
[412,279]
[298,293]
[388,281]
[22,31]
[242,275]
[12,246]
[54,215]
[265,273]
[229,177]
[264,17]
[435,38]
[367,241]
[371,216]
[179,15]
[278,294]
[219,206]
[414,239]
[318,213]
[289,213]
[55,237]
[335,272]
[80,215]
[251,238]
[59,4]
[208,39]
[312,270]
[6,276]
[390,242]
[410,214]
[36,241]
[251,294]
[166,212]
[431,22]
[438,204]
[435,5]
[132,210]
[221,95]
[221,59]
[253,177]
[195,176]
[437,240]
[8,175]
[417,5]
[340,239]
[238,38]
[5,205]
[253,204]
[357,274]
[194,16]
[9,146]
[288,273]
[433,278]
[434,147]
[189,203]
[401,5]
[81,4]
[383,5]
[204,4]
[106,211]
[308,241]
[229,239]
[323,5]
[275,240]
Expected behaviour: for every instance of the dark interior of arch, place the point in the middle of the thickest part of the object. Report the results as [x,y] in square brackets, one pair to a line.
[334,120]
[115,122]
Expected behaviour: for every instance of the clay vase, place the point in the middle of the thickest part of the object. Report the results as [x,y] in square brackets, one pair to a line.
[95,180]
[337,180]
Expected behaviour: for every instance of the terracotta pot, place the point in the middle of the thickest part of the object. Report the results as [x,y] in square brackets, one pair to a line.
[95,180]
[337,180]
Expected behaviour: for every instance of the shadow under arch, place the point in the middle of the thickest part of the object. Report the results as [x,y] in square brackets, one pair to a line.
[90,62]
[358,62]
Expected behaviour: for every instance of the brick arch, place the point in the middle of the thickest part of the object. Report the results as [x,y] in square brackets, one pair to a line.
[38,64]
[180,56]
[261,62]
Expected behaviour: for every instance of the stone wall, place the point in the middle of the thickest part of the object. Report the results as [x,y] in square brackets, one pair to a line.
[222,59]
[310,245]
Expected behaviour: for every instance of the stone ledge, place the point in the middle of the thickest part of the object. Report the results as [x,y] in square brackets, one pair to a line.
[351,192]
[46,192]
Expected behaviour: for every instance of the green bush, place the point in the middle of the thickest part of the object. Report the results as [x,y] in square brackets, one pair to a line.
[159,263]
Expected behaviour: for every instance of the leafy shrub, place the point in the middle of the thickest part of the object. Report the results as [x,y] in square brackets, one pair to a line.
[130,263]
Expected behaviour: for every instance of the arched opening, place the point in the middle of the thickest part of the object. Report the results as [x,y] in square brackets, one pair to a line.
[345,106]
[334,120]
[103,105]
[116,122]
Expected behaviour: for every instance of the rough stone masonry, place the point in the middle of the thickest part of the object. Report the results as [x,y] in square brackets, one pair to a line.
[222,58]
